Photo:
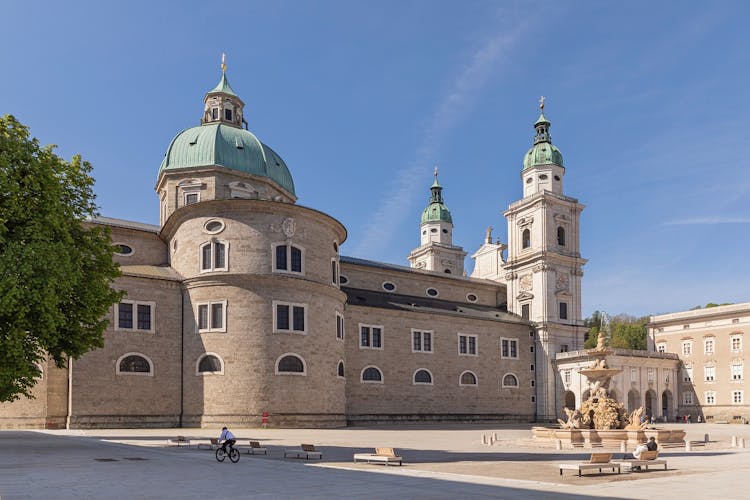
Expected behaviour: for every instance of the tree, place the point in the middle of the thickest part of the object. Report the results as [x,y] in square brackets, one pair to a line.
[627,332]
[56,270]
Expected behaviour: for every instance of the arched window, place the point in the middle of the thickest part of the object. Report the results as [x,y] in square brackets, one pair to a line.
[214,256]
[210,363]
[423,376]
[526,238]
[340,369]
[510,380]
[288,258]
[290,363]
[561,236]
[372,375]
[134,363]
[467,378]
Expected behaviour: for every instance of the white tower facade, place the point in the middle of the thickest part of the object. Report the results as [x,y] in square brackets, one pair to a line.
[543,270]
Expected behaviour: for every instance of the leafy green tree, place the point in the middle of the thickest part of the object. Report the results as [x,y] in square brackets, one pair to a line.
[627,332]
[56,270]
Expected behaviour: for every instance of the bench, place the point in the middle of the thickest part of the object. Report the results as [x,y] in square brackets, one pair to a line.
[212,445]
[179,441]
[382,455]
[647,458]
[306,451]
[600,461]
[254,449]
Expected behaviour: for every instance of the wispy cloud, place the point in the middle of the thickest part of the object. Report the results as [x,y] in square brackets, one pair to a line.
[711,219]
[456,103]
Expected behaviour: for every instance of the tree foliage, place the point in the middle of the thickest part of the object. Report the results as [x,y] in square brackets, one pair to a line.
[56,271]
[626,332]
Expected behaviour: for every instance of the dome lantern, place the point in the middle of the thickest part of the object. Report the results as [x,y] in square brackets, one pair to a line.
[222,104]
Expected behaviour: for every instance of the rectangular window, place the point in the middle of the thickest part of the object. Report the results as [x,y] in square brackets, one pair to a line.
[135,316]
[710,397]
[736,344]
[421,341]
[370,337]
[708,346]
[566,377]
[220,255]
[289,317]
[467,345]
[228,115]
[651,374]
[634,375]
[287,258]
[563,310]
[737,397]
[214,256]
[339,326]
[688,374]
[687,348]
[564,347]
[737,371]
[214,113]
[509,348]
[661,347]
[125,316]
[687,398]
[334,272]
[206,257]
[191,198]
[212,316]
[709,373]
[526,311]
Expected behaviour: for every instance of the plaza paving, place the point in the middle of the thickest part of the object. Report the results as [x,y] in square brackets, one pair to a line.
[440,462]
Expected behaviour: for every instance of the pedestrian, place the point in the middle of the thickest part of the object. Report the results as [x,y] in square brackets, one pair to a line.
[689,418]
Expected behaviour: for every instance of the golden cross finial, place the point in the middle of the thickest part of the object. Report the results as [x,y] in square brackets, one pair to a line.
[436,171]
[223,63]
[541,102]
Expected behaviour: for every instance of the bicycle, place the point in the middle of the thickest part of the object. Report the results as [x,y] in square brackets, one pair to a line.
[233,454]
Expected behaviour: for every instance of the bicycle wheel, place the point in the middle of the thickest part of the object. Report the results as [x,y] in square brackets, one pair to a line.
[221,454]
[234,455]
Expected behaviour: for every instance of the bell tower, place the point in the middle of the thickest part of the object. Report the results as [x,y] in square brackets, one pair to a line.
[544,266]
[436,251]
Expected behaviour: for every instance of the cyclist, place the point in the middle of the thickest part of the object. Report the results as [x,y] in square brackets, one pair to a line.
[228,438]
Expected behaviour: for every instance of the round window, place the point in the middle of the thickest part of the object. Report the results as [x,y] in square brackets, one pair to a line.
[213,226]
[123,249]
[343,280]
[389,286]
[557,177]
[432,292]
[445,231]
[471,297]
[528,181]
[543,177]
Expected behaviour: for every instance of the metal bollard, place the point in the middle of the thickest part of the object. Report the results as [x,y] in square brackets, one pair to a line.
[558,445]
[492,441]
[688,446]
[623,448]
[741,443]
[484,439]
[494,436]
[705,438]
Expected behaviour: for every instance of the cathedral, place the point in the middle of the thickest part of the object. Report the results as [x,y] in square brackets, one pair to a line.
[240,308]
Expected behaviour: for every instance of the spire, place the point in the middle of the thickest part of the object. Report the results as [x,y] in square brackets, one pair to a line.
[436,189]
[542,125]
[222,104]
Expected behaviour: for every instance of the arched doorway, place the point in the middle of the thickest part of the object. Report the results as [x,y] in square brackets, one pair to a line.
[570,400]
[634,400]
[650,403]
[666,404]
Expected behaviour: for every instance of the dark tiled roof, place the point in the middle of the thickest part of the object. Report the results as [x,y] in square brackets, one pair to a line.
[140,226]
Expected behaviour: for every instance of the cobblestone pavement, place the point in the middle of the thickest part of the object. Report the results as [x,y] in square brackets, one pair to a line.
[440,462]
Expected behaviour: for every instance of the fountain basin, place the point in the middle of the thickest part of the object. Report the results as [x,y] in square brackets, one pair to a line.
[585,438]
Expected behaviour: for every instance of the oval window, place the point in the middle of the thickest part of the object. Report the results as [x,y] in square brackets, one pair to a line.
[471,297]
[213,226]
[432,292]
[528,181]
[445,231]
[343,280]
[123,249]
[389,286]
[557,177]
[543,177]
[433,230]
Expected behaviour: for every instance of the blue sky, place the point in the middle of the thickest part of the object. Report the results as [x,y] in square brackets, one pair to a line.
[648,103]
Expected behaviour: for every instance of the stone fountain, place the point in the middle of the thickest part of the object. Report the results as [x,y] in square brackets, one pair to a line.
[601,419]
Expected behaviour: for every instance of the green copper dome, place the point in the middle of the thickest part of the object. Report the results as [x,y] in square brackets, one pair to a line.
[436,211]
[542,152]
[226,146]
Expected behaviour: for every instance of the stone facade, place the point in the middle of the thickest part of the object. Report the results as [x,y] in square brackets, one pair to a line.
[711,346]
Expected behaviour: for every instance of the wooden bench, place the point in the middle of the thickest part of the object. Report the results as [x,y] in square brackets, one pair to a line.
[600,461]
[254,449]
[212,445]
[382,455]
[179,441]
[306,451]
[647,459]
